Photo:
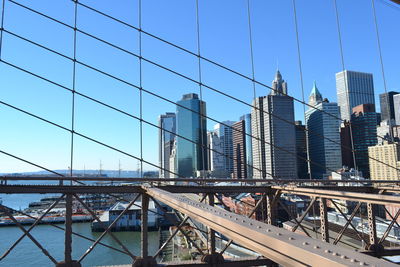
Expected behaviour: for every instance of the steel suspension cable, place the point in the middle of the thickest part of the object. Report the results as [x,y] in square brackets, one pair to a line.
[382,69]
[202,127]
[345,83]
[383,75]
[2,27]
[255,99]
[73,91]
[304,107]
[140,87]
[302,86]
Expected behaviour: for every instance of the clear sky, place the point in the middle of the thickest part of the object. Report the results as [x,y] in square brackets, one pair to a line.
[224,38]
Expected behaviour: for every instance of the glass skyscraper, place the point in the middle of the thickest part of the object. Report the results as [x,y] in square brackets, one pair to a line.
[191,157]
[166,137]
[325,154]
[363,122]
[224,132]
[353,89]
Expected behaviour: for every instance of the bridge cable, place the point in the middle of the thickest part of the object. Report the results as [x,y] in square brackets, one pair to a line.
[304,107]
[258,117]
[338,25]
[382,70]
[140,87]
[203,152]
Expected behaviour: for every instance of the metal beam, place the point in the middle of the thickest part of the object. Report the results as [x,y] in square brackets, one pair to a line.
[227,263]
[279,245]
[337,194]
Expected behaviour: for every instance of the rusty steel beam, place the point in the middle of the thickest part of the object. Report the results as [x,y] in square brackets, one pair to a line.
[227,263]
[88,189]
[323,214]
[337,194]
[279,245]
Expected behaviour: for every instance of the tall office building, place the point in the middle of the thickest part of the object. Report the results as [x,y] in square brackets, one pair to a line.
[249,154]
[301,150]
[353,89]
[239,150]
[387,106]
[215,155]
[274,146]
[390,155]
[191,157]
[323,136]
[224,132]
[396,104]
[363,121]
[166,137]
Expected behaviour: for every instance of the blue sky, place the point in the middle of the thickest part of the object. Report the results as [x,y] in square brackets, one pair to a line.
[224,38]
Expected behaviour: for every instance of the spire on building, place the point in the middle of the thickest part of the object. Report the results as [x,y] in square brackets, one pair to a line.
[279,86]
[315,96]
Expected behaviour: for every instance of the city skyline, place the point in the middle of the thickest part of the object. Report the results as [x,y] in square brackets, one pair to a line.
[217,43]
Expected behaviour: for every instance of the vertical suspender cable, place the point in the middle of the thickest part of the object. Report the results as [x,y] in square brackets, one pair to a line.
[382,68]
[302,87]
[140,89]
[383,76]
[260,138]
[203,151]
[304,108]
[345,83]
[73,92]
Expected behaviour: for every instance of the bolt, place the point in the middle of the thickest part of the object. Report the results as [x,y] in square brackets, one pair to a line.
[291,238]
[278,234]
[327,251]
[344,257]
[316,247]
[305,243]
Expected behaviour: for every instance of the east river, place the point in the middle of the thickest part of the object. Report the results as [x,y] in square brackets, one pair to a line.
[26,253]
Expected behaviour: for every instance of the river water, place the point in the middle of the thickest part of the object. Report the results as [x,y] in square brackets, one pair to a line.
[26,253]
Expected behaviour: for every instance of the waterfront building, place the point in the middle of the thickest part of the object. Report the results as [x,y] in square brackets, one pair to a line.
[272,125]
[301,150]
[396,104]
[166,137]
[387,106]
[324,147]
[215,155]
[191,124]
[390,155]
[242,164]
[353,89]
[224,132]
[363,122]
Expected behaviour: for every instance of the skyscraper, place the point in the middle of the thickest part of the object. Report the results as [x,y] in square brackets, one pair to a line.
[396,104]
[363,121]
[353,89]
[191,157]
[215,155]
[387,106]
[166,136]
[323,136]
[224,132]
[249,156]
[301,150]
[239,150]
[274,149]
